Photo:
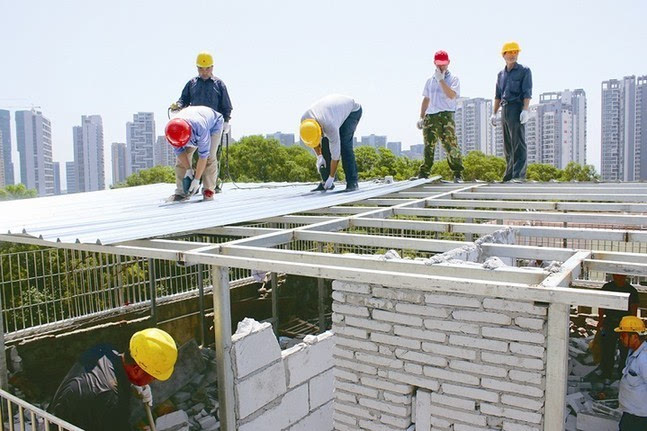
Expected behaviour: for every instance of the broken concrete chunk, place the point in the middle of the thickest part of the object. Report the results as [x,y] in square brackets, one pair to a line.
[173,421]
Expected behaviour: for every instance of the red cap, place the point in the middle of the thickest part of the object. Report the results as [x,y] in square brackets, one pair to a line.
[441,58]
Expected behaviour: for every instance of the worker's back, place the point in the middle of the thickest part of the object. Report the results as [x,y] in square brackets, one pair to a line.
[95,393]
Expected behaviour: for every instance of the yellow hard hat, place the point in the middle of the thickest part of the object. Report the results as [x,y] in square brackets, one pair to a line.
[154,351]
[204,60]
[510,46]
[310,132]
[632,324]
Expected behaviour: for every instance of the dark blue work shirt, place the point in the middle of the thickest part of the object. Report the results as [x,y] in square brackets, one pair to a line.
[210,92]
[515,85]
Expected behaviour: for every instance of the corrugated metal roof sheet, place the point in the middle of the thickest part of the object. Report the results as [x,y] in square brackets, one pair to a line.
[112,216]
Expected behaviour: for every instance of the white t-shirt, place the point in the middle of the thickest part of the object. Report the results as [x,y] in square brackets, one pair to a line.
[438,101]
[331,112]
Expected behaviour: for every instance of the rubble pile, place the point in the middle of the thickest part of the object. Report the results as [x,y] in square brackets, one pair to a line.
[591,403]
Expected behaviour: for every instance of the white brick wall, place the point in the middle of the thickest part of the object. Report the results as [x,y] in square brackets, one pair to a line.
[290,390]
[444,361]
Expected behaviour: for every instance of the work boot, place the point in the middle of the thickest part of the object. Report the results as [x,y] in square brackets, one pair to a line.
[207,195]
[458,178]
[351,187]
[176,198]
[319,188]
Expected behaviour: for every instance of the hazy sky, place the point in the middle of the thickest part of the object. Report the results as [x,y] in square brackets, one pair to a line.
[116,58]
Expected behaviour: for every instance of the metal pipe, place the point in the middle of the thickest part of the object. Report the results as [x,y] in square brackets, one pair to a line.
[222,332]
[153,293]
[201,302]
[275,304]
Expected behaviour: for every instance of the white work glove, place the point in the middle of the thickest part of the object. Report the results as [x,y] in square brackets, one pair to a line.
[321,162]
[524,117]
[189,173]
[226,128]
[195,186]
[329,183]
[420,124]
[493,120]
[439,75]
[145,394]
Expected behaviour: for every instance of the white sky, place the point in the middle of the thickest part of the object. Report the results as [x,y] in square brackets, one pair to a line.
[120,57]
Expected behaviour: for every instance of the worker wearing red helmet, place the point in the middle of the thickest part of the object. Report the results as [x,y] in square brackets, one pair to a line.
[195,128]
[437,117]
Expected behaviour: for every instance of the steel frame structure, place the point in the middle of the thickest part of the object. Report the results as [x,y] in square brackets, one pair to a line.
[469,209]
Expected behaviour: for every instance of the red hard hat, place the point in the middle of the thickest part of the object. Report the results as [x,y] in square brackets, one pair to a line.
[178,132]
[441,58]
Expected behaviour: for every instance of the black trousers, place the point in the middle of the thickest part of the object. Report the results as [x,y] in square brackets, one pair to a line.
[630,422]
[514,142]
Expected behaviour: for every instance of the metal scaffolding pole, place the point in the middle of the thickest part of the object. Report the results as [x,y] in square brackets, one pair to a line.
[153,292]
[222,330]
[201,302]
[275,304]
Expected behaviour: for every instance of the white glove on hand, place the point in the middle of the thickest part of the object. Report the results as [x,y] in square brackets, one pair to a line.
[329,183]
[439,75]
[226,128]
[145,393]
[195,186]
[493,120]
[321,162]
[189,173]
[420,124]
[524,117]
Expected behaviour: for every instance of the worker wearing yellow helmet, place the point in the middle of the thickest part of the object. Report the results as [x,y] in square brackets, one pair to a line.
[328,127]
[513,93]
[95,394]
[633,384]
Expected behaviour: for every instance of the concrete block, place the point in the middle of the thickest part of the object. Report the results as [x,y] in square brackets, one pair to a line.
[442,350]
[320,389]
[375,426]
[413,368]
[355,410]
[504,386]
[473,393]
[478,343]
[356,389]
[525,376]
[342,352]
[172,421]
[355,344]
[254,346]
[398,294]
[395,341]
[529,323]
[293,407]
[459,415]
[522,402]
[380,361]
[407,355]
[404,319]
[302,364]
[386,385]
[520,415]
[515,306]
[342,374]
[397,399]
[513,361]
[459,403]
[473,368]
[442,374]
[368,324]
[352,310]
[422,310]
[423,410]
[513,335]
[260,389]
[481,316]
[354,366]
[318,420]
[350,331]
[413,380]
[399,423]
[351,287]
[381,406]
[452,326]
[454,300]
[423,334]
[528,350]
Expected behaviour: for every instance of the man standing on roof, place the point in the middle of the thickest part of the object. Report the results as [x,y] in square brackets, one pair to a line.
[328,127]
[608,319]
[513,93]
[437,117]
[206,90]
[95,394]
[195,127]
[632,394]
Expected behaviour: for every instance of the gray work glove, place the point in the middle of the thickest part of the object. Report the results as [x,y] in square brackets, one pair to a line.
[145,394]
[439,75]
[226,128]
[493,120]
[524,117]
[195,186]
[421,123]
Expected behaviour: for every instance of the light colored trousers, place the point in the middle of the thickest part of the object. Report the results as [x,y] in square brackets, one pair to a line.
[210,171]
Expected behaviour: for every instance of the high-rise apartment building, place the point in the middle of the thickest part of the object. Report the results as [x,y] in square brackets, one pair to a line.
[623,125]
[5,130]
[70,177]
[395,147]
[88,154]
[285,139]
[373,141]
[57,178]
[473,127]
[119,162]
[140,141]
[34,138]
[163,154]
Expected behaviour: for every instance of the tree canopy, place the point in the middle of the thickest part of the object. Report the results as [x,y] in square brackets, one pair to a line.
[17,191]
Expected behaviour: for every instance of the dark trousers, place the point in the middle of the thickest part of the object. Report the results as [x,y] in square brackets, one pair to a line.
[630,422]
[608,345]
[346,132]
[514,142]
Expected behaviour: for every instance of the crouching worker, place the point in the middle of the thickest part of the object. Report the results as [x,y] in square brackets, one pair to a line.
[195,127]
[95,393]
[328,128]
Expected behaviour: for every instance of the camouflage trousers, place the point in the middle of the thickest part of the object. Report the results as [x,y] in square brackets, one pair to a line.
[440,127]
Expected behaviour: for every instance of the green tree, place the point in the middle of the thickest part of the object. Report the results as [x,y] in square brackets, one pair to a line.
[576,172]
[154,175]
[17,191]
[542,172]
[478,166]
[367,159]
